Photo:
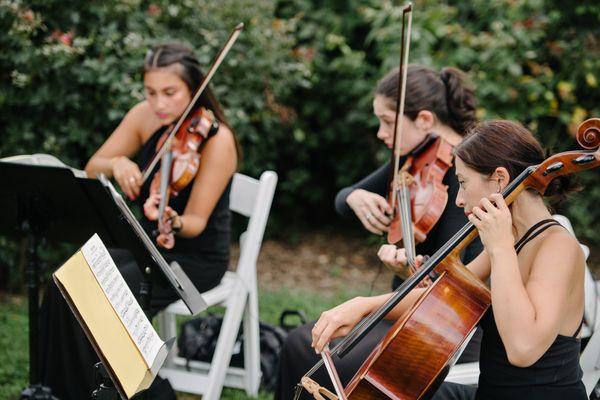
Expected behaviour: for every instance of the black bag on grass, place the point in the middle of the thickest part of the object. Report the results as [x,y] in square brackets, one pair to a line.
[198,340]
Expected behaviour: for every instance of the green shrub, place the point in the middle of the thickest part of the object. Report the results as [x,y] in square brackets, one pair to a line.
[533,61]
[298,85]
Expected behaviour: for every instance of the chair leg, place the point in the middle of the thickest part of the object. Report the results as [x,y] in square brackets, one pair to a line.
[225,343]
[252,344]
[167,328]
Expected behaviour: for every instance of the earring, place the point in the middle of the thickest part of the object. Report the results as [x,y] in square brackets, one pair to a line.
[499,187]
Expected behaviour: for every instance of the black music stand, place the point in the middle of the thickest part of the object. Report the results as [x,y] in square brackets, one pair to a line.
[52,204]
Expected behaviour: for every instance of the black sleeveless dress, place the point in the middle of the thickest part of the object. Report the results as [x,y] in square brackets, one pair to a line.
[555,376]
[297,356]
[66,357]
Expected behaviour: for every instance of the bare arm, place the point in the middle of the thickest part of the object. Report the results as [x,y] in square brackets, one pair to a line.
[340,320]
[217,165]
[481,266]
[113,158]
[531,315]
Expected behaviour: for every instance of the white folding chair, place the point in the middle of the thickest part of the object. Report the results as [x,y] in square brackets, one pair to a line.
[238,293]
[468,373]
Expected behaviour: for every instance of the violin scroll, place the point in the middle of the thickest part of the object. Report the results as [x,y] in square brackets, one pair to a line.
[588,134]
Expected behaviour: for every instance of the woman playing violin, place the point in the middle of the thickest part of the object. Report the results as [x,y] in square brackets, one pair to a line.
[530,346]
[197,219]
[438,103]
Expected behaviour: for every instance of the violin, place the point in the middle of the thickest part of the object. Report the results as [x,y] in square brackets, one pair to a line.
[179,151]
[186,148]
[416,193]
[422,174]
[184,161]
[416,353]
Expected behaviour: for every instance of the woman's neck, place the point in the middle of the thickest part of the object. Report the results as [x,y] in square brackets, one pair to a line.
[448,134]
[527,209]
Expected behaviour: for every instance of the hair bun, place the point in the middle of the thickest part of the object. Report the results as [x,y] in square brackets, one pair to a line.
[460,99]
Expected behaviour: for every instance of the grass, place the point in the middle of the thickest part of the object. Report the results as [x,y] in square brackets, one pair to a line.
[14,362]
[14,356]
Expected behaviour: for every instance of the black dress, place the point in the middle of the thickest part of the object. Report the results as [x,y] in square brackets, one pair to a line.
[297,357]
[555,376]
[66,356]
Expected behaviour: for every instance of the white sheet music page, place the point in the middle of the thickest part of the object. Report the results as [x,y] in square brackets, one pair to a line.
[122,299]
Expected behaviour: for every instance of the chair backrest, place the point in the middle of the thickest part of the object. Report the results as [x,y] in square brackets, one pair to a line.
[591,310]
[252,198]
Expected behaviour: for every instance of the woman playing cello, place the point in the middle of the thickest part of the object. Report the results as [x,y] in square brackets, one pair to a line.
[530,346]
[438,102]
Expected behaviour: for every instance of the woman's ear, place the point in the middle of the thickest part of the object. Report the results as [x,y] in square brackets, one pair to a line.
[425,120]
[502,176]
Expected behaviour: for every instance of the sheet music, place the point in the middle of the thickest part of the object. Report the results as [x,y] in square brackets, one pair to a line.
[122,299]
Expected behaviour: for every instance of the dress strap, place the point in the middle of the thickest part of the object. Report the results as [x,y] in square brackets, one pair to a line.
[534,231]
[531,233]
[579,328]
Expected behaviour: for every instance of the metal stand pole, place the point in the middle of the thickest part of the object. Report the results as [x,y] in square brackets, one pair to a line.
[35,390]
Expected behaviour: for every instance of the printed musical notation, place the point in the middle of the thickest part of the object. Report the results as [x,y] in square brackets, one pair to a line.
[122,299]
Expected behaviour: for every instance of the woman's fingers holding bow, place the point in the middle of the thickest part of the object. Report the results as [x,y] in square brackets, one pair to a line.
[393,257]
[151,206]
[337,322]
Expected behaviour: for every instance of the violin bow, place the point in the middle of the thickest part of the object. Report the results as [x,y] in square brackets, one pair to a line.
[211,72]
[536,177]
[395,165]
[401,179]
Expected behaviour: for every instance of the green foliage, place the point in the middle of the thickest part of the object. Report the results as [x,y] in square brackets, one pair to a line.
[297,87]
[533,61]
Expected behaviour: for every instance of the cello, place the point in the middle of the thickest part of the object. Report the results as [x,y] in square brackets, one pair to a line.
[411,360]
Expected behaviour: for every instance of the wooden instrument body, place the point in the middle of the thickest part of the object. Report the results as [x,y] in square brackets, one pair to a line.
[186,150]
[414,356]
[429,195]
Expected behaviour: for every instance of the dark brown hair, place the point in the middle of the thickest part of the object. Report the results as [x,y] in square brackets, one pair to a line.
[167,54]
[446,94]
[172,53]
[508,144]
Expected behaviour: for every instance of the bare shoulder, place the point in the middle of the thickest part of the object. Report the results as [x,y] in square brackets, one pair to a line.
[222,143]
[559,247]
[224,136]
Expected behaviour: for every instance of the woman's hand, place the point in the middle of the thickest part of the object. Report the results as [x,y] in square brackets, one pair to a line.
[171,219]
[339,321]
[128,176]
[395,259]
[371,209]
[166,236]
[494,222]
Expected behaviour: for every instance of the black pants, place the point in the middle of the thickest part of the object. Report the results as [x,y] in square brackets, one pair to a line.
[455,391]
[66,356]
[297,357]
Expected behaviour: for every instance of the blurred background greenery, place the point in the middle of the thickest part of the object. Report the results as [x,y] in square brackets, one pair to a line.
[297,88]
[298,85]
